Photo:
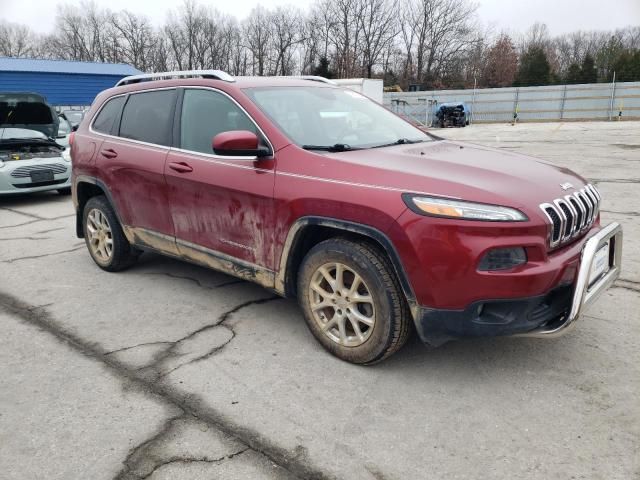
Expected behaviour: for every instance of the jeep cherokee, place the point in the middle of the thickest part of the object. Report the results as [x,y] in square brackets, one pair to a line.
[319,193]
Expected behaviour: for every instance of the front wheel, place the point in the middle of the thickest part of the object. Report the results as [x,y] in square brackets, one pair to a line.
[352,301]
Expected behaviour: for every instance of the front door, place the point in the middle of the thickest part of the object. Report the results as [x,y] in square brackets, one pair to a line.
[222,207]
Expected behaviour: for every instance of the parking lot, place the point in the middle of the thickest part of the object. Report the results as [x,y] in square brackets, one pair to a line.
[172,371]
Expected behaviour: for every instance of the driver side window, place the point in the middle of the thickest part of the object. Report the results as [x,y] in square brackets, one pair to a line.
[205,114]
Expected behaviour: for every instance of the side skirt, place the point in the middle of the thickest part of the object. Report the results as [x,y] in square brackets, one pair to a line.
[196,254]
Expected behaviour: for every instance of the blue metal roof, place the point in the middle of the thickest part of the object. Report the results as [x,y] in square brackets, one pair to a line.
[65,66]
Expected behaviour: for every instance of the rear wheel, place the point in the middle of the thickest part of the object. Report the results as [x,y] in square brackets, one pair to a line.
[352,302]
[104,237]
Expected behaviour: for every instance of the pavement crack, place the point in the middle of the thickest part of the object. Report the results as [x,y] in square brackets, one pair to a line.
[615,180]
[26,214]
[633,214]
[189,460]
[131,347]
[625,284]
[220,322]
[7,239]
[190,404]
[40,232]
[33,257]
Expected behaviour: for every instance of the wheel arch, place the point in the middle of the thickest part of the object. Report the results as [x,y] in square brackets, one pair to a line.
[85,188]
[311,230]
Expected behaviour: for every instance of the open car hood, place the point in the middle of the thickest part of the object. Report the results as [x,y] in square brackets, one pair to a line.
[28,111]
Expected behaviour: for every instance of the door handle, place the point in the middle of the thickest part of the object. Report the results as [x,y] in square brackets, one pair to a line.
[109,153]
[180,167]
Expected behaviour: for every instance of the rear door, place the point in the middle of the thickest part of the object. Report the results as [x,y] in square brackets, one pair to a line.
[131,163]
[224,204]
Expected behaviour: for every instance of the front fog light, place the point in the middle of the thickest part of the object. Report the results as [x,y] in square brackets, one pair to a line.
[502,259]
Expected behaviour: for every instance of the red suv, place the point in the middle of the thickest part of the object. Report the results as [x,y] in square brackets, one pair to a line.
[317,192]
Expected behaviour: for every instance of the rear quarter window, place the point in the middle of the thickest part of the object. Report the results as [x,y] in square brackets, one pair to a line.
[106,117]
[148,117]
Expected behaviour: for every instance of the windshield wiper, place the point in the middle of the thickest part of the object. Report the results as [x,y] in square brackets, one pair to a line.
[338,147]
[400,141]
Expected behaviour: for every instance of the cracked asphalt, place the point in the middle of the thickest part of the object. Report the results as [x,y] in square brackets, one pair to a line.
[172,371]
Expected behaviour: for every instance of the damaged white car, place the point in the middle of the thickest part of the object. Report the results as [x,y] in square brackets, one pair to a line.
[31,160]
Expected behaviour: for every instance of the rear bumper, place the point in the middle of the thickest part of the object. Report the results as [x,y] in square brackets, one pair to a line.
[547,315]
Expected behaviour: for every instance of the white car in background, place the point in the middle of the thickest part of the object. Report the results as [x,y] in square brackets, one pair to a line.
[32,157]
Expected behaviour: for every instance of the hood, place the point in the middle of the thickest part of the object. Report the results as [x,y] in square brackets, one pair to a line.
[465,171]
[28,111]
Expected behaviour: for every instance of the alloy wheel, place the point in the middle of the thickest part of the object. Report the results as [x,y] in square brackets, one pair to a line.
[342,304]
[100,236]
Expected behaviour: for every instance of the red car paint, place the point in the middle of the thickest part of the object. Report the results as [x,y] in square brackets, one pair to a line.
[246,210]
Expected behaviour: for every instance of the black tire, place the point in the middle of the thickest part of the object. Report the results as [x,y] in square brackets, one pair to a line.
[64,191]
[392,323]
[123,255]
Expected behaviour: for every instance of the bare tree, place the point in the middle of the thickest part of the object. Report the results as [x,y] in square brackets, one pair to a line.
[257,35]
[16,40]
[286,34]
[378,27]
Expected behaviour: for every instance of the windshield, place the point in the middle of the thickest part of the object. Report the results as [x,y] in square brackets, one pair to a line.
[74,116]
[21,134]
[325,117]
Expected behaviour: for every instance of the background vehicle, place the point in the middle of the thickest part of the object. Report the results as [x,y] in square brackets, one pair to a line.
[318,193]
[31,160]
[451,115]
[74,117]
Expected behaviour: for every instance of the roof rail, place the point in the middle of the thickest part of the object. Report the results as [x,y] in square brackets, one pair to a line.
[315,78]
[147,77]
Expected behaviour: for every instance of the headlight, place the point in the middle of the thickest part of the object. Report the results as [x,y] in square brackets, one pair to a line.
[66,154]
[447,208]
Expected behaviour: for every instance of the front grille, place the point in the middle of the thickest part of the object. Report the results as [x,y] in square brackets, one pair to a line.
[572,215]
[24,172]
[40,184]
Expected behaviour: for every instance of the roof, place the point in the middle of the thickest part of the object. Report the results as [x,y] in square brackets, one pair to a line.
[65,66]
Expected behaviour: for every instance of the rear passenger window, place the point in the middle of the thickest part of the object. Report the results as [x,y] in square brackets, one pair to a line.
[147,117]
[108,114]
[205,114]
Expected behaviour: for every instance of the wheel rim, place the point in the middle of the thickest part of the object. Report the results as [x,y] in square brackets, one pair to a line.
[342,304]
[100,236]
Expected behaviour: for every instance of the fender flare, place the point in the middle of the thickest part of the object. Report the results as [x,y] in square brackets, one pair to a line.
[283,277]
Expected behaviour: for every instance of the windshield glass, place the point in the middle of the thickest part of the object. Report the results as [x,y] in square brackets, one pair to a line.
[317,116]
[74,116]
[21,134]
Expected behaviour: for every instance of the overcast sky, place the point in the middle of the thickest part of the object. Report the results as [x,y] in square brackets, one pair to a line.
[513,15]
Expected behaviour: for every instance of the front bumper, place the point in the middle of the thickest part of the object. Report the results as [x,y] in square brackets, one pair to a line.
[548,315]
[14,178]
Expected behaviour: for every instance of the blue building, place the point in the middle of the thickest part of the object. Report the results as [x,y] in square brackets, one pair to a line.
[63,83]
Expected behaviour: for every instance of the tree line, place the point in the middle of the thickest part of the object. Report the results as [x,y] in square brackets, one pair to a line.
[432,43]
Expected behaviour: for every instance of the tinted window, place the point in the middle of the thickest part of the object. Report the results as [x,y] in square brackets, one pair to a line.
[108,114]
[204,115]
[147,117]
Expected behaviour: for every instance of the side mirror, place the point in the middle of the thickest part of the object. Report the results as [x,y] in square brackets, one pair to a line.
[239,143]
